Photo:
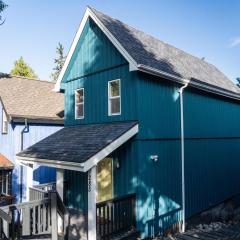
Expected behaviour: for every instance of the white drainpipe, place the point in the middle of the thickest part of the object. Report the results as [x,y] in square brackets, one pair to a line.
[182,154]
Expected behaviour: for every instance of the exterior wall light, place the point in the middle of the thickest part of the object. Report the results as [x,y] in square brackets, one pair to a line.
[154,158]
[117,163]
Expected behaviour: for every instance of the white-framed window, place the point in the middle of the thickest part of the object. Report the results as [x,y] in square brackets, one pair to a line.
[4,122]
[114,97]
[79,103]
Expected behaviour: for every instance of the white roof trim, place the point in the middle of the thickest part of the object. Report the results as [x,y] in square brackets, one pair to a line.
[88,13]
[91,162]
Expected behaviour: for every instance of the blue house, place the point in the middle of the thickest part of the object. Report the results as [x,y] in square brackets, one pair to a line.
[29,112]
[151,133]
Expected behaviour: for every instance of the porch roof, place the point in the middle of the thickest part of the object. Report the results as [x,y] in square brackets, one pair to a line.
[79,147]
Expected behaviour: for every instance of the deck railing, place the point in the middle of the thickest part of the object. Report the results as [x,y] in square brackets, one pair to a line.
[116,216]
[40,191]
[45,217]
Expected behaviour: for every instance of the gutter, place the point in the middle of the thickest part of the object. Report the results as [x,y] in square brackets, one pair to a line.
[24,130]
[182,154]
[195,84]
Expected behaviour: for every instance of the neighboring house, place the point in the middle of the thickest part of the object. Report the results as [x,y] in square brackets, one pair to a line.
[29,112]
[123,146]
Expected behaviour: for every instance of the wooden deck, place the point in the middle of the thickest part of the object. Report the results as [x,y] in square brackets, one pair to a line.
[226,232]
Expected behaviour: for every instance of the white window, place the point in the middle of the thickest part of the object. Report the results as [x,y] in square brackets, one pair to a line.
[79,103]
[4,122]
[114,97]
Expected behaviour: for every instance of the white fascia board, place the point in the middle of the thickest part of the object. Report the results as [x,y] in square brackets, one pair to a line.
[83,167]
[88,13]
[51,163]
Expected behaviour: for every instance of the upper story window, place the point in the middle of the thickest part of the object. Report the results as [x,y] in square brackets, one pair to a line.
[79,103]
[114,97]
[4,122]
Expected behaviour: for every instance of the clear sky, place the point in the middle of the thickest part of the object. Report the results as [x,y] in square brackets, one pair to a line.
[204,28]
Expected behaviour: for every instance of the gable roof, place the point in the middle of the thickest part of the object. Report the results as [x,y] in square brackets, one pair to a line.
[148,54]
[31,99]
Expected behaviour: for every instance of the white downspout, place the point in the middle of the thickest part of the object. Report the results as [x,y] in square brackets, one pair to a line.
[182,154]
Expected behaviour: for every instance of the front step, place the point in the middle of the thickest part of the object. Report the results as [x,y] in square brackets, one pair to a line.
[37,237]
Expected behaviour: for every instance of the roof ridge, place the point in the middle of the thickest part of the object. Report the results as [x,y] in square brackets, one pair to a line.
[28,78]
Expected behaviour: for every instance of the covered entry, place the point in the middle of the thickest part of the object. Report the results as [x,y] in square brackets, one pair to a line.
[86,148]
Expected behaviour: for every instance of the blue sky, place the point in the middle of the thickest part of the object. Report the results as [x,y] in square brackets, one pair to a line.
[203,28]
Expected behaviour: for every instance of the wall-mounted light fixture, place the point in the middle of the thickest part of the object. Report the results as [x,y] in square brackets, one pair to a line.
[154,158]
[117,163]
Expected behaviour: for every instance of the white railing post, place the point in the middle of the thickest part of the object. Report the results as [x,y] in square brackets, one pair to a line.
[54,218]
[60,182]
[92,199]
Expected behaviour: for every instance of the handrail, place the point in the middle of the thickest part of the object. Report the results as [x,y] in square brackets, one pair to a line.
[131,195]
[38,189]
[5,216]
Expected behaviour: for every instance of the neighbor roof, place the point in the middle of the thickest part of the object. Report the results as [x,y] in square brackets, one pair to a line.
[151,55]
[5,163]
[76,145]
[31,99]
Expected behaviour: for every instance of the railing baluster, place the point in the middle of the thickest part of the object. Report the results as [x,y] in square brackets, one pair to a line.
[108,221]
[115,216]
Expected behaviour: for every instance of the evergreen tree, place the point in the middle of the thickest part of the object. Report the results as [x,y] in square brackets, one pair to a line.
[59,61]
[238,81]
[2,8]
[23,69]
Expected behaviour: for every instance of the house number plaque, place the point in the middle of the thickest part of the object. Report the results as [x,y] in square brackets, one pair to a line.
[90,181]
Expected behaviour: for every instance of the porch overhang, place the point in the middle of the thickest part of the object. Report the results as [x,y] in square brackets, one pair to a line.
[79,148]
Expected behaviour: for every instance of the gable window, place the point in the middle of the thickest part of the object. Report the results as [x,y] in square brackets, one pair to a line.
[79,103]
[114,97]
[4,122]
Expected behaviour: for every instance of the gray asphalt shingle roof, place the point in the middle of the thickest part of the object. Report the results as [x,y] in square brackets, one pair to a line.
[77,143]
[31,98]
[149,51]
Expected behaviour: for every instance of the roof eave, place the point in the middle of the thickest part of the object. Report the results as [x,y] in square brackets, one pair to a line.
[33,119]
[198,85]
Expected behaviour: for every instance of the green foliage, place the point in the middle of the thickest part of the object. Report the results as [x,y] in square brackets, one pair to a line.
[23,69]
[238,81]
[2,8]
[59,61]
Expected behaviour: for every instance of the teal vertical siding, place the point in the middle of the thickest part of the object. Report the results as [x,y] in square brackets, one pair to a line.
[94,53]
[96,97]
[76,190]
[212,134]
[158,108]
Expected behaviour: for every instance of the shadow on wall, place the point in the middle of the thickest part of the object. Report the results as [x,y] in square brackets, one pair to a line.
[78,225]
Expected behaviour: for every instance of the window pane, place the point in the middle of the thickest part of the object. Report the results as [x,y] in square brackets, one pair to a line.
[79,96]
[115,88]
[79,110]
[115,105]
